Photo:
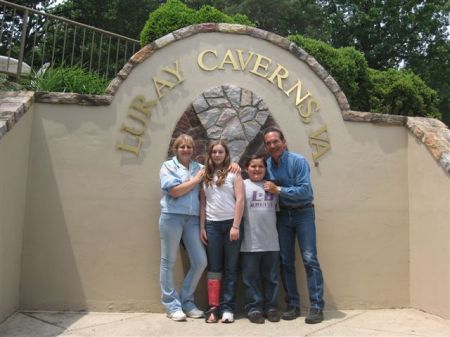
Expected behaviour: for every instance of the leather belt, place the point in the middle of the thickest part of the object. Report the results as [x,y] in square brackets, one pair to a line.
[294,208]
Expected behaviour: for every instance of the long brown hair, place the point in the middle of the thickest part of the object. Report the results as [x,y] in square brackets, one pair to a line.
[211,169]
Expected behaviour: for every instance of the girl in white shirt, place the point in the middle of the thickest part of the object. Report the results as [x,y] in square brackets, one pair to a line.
[222,206]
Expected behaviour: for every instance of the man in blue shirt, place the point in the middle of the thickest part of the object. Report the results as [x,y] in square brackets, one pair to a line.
[288,175]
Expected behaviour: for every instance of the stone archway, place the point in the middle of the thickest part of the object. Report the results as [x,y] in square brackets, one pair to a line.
[233,114]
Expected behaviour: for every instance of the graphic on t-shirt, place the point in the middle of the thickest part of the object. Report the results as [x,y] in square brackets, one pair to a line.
[261,199]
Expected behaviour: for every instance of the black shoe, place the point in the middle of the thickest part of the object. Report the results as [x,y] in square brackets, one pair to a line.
[212,315]
[256,317]
[314,316]
[273,315]
[291,313]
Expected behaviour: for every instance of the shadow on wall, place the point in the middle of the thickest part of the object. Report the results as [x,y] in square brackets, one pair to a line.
[48,261]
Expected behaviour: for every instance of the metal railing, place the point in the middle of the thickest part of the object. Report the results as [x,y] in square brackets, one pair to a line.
[31,39]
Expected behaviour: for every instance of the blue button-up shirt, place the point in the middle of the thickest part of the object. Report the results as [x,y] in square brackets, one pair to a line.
[173,173]
[292,173]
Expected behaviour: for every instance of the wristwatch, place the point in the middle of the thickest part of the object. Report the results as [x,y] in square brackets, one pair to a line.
[279,189]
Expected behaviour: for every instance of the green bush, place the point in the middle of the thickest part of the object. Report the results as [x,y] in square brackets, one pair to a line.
[242,20]
[211,14]
[7,83]
[347,66]
[402,93]
[71,79]
[392,91]
[167,18]
[174,15]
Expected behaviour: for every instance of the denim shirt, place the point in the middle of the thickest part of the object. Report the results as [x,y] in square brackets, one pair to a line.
[292,174]
[173,173]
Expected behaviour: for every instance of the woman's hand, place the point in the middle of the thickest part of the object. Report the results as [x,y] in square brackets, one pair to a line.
[203,236]
[199,176]
[187,186]
[234,233]
[234,168]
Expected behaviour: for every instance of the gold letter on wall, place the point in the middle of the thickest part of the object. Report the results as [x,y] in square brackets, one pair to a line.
[200,62]
[319,139]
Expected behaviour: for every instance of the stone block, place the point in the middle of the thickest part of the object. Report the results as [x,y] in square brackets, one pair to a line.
[185,32]
[278,40]
[200,104]
[298,52]
[342,101]
[3,128]
[142,55]
[332,84]
[207,27]
[258,33]
[113,86]
[8,120]
[72,98]
[231,28]
[163,41]
[125,71]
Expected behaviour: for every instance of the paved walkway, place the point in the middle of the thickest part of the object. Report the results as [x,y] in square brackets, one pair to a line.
[385,323]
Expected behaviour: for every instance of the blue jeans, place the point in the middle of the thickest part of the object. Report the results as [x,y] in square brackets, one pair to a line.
[173,228]
[299,224]
[257,266]
[223,258]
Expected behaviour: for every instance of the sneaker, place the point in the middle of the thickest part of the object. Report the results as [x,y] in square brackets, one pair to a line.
[273,315]
[314,316]
[227,317]
[256,317]
[291,313]
[195,313]
[177,316]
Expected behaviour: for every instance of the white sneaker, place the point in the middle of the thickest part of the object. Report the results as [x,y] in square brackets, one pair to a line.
[177,316]
[227,317]
[195,313]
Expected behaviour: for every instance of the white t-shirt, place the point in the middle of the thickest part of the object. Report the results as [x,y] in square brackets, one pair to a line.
[260,222]
[220,201]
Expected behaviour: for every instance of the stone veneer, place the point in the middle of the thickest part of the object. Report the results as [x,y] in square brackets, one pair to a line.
[229,113]
[433,133]
[235,115]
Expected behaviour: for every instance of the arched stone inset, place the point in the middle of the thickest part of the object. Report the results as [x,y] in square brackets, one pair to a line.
[230,113]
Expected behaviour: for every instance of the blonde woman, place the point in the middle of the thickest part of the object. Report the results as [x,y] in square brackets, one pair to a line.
[181,178]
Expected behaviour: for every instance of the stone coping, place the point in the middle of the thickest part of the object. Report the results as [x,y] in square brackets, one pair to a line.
[433,133]
[13,105]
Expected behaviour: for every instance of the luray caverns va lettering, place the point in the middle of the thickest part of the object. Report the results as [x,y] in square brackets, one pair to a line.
[139,110]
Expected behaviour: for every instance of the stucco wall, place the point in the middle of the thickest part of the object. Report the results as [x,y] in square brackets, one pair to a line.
[14,150]
[429,211]
[91,238]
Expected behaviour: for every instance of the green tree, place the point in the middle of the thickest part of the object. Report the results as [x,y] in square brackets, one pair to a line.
[12,23]
[407,34]
[388,32]
[434,69]
[174,15]
[124,17]
[93,51]
[284,17]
